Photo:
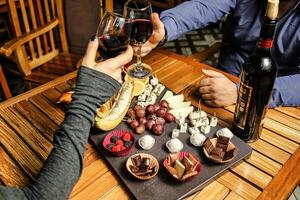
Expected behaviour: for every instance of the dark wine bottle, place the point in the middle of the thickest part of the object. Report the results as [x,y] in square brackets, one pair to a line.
[257,81]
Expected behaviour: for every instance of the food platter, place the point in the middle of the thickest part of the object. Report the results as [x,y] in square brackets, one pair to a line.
[162,186]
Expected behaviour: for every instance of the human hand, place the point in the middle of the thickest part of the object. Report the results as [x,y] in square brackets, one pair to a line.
[112,66]
[217,90]
[157,35]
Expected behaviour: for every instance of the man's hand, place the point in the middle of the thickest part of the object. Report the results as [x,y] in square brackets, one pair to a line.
[157,35]
[217,90]
[112,66]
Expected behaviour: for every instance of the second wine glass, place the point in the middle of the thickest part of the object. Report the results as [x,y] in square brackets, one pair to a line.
[139,13]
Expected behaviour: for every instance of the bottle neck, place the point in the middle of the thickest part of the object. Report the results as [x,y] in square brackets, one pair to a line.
[267,33]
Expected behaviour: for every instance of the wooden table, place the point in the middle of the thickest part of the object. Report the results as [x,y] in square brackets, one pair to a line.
[28,122]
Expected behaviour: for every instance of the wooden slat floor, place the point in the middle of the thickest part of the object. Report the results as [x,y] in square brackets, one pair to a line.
[28,122]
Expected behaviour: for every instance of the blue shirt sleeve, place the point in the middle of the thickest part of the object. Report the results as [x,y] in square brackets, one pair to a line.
[286,91]
[194,14]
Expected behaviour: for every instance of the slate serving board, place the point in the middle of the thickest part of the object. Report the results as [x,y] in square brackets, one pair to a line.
[163,186]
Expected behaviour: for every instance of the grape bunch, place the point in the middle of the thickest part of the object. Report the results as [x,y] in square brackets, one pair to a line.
[152,118]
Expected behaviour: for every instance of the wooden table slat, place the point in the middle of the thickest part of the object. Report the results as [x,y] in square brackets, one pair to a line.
[19,151]
[10,173]
[214,191]
[90,174]
[282,129]
[270,151]
[291,111]
[37,118]
[264,163]
[239,186]
[233,196]
[94,191]
[117,192]
[63,87]
[279,141]
[27,132]
[52,111]
[252,174]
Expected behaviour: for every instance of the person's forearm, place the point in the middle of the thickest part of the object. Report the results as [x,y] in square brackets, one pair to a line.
[64,165]
[195,14]
[286,91]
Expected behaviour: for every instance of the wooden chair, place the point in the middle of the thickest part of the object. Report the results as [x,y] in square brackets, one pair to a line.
[40,43]
[4,85]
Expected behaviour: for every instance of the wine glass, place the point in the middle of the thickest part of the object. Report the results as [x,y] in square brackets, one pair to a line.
[139,13]
[113,34]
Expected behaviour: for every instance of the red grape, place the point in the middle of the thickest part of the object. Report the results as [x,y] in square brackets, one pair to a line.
[140,113]
[150,109]
[164,104]
[160,121]
[157,129]
[131,113]
[140,129]
[134,124]
[156,107]
[149,124]
[137,107]
[169,117]
[142,120]
[161,112]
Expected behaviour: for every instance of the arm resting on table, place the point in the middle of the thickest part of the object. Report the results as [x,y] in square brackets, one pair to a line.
[9,47]
[64,165]
[195,14]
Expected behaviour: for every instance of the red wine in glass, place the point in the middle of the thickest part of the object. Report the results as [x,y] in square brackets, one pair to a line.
[113,35]
[111,45]
[141,30]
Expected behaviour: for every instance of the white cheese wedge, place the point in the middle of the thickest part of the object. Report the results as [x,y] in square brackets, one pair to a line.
[176,98]
[183,112]
[167,95]
[175,133]
[176,105]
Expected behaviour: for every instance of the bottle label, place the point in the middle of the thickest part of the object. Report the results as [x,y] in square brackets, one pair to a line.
[266,44]
[242,106]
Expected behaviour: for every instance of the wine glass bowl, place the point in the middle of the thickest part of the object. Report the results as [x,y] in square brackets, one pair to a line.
[113,34]
[139,13]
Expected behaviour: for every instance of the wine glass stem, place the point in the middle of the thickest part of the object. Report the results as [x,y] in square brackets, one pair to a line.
[139,65]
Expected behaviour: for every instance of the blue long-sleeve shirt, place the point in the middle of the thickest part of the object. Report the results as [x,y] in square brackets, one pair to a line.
[242,32]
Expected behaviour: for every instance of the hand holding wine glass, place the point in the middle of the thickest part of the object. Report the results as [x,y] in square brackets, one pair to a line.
[139,14]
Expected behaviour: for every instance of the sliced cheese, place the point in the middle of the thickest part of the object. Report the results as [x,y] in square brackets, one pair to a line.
[167,95]
[176,98]
[175,105]
[182,112]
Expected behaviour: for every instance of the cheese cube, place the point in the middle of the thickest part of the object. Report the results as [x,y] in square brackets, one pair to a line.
[154,81]
[175,133]
[205,129]
[193,130]
[213,121]
[183,128]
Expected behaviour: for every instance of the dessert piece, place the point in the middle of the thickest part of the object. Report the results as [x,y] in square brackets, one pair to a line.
[217,153]
[225,132]
[154,81]
[208,145]
[142,166]
[174,145]
[205,129]
[180,168]
[229,154]
[182,165]
[197,139]
[193,130]
[146,142]
[183,128]
[189,165]
[175,133]
[213,121]
[118,142]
